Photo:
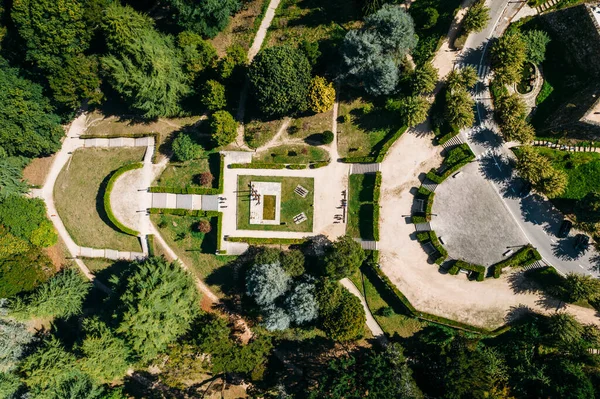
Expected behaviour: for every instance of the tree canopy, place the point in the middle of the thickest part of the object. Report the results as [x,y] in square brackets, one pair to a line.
[344,258]
[372,55]
[280,79]
[27,125]
[143,65]
[158,303]
[508,55]
[206,18]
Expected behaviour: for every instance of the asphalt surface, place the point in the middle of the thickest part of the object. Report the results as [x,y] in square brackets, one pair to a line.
[535,216]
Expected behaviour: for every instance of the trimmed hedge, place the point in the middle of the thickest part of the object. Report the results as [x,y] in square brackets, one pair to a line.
[109,186]
[438,246]
[477,269]
[428,196]
[418,219]
[523,257]
[377,187]
[150,241]
[438,179]
[396,293]
[381,153]
[256,165]
[194,190]
[423,236]
[297,166]
[267,241]
[317,165]
[184,212]
[443,139]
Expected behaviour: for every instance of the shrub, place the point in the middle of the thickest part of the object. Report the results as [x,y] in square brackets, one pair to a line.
[423,237]
[276,318]
[203,226]
[523,257]
[223,128]
[347,321]
[328,137]
[292,262]
[213,96]
[185,149]
[535,43]
[204,179]
[321,95]
[386,311]
[477,269]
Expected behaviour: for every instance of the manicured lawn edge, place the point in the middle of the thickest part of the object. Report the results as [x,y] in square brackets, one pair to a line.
[523,257]
[194,190]
[267,241]
[262,165]
[376,272]
[376,196]
[195,213]
[378,156]
[108,209]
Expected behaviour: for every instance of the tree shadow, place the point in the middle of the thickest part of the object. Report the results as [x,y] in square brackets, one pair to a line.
[486,137]
[530,208]
[565,249]
[517,313]
[495,168]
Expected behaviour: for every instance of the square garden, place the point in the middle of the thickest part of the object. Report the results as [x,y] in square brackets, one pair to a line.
[259,205]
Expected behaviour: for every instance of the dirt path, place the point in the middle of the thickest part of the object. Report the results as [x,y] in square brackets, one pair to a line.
[259,38]
[371,322]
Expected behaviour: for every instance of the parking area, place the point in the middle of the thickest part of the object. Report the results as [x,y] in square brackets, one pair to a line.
[471,219]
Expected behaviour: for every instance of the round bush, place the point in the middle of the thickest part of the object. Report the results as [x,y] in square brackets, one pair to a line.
[223,128]
[204,179]
[327,137]
[203,226]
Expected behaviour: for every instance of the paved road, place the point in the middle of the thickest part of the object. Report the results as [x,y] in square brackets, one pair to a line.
[536,217]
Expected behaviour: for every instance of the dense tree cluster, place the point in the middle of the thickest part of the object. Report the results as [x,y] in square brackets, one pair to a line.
[511,112]
[459,104]
[477,17]
[508,55]
[373,54]
[538,170]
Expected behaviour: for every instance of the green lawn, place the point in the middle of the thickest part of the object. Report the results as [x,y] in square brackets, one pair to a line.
[291,203]
[399,324]
[196,249]
[181,174]
[303,127]
[257,132]
[583,170]
[360,206]
[311,20]
[294,153]
[363,126]
[79,193]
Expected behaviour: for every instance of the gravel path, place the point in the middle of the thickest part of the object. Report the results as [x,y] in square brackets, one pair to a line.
[371,322]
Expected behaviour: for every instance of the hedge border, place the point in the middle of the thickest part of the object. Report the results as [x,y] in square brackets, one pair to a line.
[521,258]
[428,196]
[150,241]
[438,179]
[267,241]
[461,264]
[430,317]
[380,155]
[376,208]
[106,200]
[292,166]
[194,190]
[195,213]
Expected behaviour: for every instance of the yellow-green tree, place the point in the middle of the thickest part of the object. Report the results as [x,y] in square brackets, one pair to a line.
[321,95]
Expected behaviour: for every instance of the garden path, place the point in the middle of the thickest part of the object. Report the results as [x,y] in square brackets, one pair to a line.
[371,322]
[259,38]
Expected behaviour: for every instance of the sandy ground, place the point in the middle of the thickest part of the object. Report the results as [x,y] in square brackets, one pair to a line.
[124,198]
[486,304]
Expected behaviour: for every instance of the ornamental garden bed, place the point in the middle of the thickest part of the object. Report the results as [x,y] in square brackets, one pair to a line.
[291,203]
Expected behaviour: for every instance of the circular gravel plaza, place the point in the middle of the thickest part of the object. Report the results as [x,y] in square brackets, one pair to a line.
[471,219]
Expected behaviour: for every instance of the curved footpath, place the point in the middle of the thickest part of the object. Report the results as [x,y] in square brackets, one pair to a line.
[488,304]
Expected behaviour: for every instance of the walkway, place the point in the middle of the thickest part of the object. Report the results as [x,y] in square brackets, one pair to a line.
[371,322]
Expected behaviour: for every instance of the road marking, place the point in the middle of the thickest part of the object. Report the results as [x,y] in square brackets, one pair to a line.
[582,267]
[553,241]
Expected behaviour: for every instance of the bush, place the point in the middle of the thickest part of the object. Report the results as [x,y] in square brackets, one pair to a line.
[328,137]
[321,95]
[185,149]
[204,179]
[438,247]
[213,96]
[108,209]
[477,269]
[386,311]
[423,237]
[523,257]
[203,226]
[223,128]
[267,241]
